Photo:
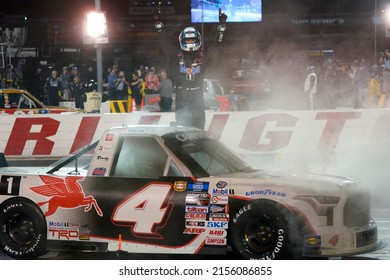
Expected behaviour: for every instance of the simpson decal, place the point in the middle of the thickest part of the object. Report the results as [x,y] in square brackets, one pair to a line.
[216,241]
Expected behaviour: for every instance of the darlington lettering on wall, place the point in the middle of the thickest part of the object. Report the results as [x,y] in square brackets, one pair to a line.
[268,132]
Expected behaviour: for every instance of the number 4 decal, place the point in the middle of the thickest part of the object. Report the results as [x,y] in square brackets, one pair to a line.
[145,211]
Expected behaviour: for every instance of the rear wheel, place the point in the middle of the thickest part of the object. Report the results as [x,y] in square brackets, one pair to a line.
[23,229]
[263,230]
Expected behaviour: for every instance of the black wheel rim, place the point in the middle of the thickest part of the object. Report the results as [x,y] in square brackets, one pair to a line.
[20,228]
[260,237]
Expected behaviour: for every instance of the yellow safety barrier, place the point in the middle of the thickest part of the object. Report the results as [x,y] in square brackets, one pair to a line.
[383,101]
[118,106]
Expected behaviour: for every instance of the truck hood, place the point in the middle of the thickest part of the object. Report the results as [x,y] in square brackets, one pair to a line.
[310,183]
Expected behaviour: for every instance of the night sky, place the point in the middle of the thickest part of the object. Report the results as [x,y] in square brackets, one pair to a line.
[119,8]
[36,9]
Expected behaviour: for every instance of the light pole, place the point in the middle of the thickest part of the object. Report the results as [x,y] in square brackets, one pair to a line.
[95,32]
[99,56]
[375,28]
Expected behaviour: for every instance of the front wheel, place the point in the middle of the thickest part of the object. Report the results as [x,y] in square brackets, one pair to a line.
[23,230]
[262,230]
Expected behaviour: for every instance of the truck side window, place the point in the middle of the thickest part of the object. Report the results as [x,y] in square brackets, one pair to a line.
[139,157]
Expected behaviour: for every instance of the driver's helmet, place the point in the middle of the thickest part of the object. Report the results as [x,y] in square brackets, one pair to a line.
[190,39]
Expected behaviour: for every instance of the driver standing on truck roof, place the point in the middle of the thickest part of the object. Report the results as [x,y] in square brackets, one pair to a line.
[188,70]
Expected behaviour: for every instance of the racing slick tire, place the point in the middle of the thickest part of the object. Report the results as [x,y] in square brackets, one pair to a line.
[265,230]
[23,231]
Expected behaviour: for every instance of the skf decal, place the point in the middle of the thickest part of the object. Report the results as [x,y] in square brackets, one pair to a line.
[180,186]
[64,193]
[217,224]
[198,186]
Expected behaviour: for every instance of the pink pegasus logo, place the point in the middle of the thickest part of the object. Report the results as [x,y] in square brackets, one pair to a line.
[65,193]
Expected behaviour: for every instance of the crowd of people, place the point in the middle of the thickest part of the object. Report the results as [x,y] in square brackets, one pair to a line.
[71,85]
[141,83]
[358,84]
[326,84]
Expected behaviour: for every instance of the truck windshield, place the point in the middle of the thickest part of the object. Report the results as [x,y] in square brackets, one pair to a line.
[203,155]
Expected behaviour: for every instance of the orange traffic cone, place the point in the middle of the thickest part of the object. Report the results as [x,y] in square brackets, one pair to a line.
[133,106]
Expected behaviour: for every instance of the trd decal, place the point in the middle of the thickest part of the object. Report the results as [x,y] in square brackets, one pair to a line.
[64,193]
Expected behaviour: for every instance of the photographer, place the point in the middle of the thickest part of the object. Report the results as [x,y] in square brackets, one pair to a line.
[122,86]
[136,89]
[385,61]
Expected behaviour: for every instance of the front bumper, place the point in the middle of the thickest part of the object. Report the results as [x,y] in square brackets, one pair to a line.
[352,242]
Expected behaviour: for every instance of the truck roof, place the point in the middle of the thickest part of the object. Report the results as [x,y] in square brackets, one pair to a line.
[158,130]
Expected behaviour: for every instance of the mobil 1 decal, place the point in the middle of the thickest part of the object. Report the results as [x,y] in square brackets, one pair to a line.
[139,210]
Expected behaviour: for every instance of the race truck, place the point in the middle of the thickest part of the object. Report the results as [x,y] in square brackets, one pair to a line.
[250,87]
[177,190]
